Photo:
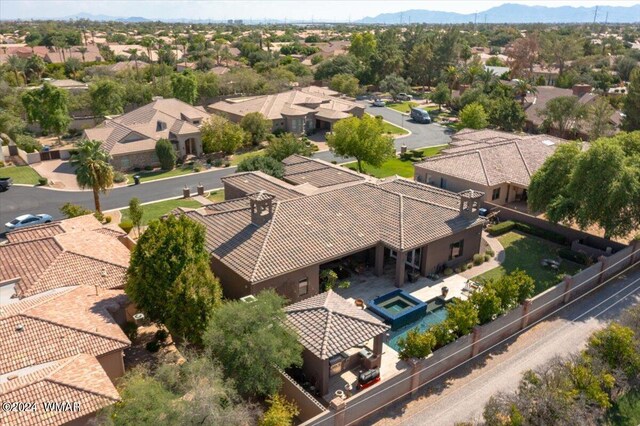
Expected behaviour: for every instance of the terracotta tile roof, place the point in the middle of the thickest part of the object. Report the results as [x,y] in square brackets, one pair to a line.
[80,223]
[493,160]
[92,257]
[299,170]
[79,378]
[312,229]
[252,182]
[327,324]
[50,327]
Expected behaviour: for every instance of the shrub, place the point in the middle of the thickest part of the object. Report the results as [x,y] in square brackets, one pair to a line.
[227,163]
[416,344]
[73,210]
[217,162]
[463,267]
[162,335]
[469,265]
[152,346]
[98,215]
[136,169]
[131,330]
[457,270]
[28,144]
[42,181]
[442,333]
[487,257]
[542,233]
[490,252]
[447,272]
[198,166]
[126,226]
[266,165]
[108,219]
[478,259]
[1,163]
[501,228]
[148,168]
[119,177]
[281,412]
[574,256]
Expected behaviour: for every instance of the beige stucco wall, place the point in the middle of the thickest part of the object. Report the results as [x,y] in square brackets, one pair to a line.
[139,159]
[438,251]
[113,364]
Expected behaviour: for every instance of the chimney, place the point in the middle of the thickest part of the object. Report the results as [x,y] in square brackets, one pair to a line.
[580,90]
[261,207]
[470,203]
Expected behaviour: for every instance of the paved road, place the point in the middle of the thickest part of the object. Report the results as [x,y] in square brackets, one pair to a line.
[20,200]
[422,135]
[462,396]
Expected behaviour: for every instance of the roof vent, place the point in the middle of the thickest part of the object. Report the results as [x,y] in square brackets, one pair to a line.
[160,126]
[20,327]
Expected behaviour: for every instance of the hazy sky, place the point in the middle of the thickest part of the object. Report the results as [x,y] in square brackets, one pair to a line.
[331,10]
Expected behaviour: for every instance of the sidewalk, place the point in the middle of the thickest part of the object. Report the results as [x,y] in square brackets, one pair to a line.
[497,260]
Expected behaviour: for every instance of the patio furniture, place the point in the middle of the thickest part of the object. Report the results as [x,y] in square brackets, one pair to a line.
[414,276]
[360,303]
[445,291]
[551,263]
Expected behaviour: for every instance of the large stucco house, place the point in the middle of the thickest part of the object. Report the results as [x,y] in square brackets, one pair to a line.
[297,111]
[498,164]
[131,138]
[271,234]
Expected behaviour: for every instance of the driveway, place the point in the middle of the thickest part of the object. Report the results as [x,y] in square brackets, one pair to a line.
[60,173]
[422,135]
[460,396]
[22,199]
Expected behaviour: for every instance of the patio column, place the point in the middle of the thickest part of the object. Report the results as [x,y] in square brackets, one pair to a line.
[379,260]
[423,261]
[400,268]
[377,344]
[324,386]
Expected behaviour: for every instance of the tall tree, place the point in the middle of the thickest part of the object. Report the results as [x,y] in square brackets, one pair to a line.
[169,277]
[345,83]
[631,106]
[48,107]
[17,66]
[562,113]
[418,63]
[599,118]
[185,87]
[556,49]
[394,84]
[473,116]
[107,97]
[361,138]
[441,95]
[35,67]
[219,134]
[506,114]
[92,168]
[363,45]
[280,147]
[251,341]
[256,127]
[136,211]
[166,154]
[523,54]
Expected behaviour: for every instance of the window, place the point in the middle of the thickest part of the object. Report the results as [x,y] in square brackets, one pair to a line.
[496,194]
[443,183]
[303,287]
[419,178]
[455,249]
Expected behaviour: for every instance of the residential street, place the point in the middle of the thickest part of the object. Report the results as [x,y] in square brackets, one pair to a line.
[422,135]
[20,199]
[462,396]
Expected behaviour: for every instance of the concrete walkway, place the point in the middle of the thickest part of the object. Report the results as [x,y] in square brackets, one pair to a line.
[496,261]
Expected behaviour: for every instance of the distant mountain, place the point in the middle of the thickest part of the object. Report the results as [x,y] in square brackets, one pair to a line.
[513,13]
[91,17]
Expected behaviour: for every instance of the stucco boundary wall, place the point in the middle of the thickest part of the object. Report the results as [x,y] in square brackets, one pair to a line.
[309,407]
[356,409]
[570,234]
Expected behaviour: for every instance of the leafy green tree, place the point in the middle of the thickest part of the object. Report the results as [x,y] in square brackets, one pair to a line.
[361,138]
[73,210]
[625,66]
[280,147]
[219,134]
[473,116]
[185,87]
[35,67]
[416,344]
[343,64]
[631,106]
[280,413]
[345,83]
[506,114]
[267,165]
[166,154]
[136,211]
[394,84]
[556,49]
[252,341]
[562,113]
[363,45]
[487,303]
[92,168]
[48,107]
[599,118]
[441,95]
[418,63]
[462,316]
[107,97]
[256,126]
[616,346]
[208,86]
[169,276]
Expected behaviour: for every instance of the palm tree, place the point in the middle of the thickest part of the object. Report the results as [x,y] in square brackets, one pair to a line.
[452,76]
[82,51]
[17,65]
[133,56]
[522,88]
[93,169]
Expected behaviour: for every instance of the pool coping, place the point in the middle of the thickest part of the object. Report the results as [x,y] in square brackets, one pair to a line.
[394,320]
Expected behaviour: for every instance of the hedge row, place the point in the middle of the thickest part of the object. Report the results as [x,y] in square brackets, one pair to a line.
[509,225]
[574,256]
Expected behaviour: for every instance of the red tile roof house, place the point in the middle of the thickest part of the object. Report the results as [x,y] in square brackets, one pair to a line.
[62,347]
[296,111]
[131,138]
[498,164]
[272,234]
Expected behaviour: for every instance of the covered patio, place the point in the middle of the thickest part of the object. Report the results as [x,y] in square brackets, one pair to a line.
[337,337]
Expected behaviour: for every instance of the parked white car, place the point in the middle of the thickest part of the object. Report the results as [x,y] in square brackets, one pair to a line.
[28,220]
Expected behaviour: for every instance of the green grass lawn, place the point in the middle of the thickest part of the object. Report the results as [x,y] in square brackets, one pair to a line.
[396,166]
[626,411]
[20,174]
[402,106]
[525,252]
[156,210]
[146,176]
[392,129]
[237,158]
[216,196]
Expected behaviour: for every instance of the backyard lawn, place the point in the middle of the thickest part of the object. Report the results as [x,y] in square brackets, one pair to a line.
[20,174]
[526,252]
[146,176]
[396,166]
[156,210]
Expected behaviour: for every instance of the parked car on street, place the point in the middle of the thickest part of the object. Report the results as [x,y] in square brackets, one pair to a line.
[378,103]
[28,220]
[404,97]
[420,116]
[5,183]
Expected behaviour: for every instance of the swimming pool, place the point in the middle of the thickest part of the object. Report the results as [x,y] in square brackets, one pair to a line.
[398,308]
[436,313]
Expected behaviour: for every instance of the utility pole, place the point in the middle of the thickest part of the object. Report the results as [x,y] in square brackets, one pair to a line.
[401,13]
[595,15]
[606,19]
[475,19]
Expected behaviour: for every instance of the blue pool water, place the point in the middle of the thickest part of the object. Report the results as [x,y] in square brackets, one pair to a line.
[436,313]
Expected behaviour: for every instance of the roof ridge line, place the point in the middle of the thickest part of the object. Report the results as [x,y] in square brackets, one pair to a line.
[526,167]
[401,208]
[484,170]
[427,187]
[94,258]
[25,384]
[80,388]
[264,243]
[373,321]
[325,340]
[469,151]
[42,298]
[95,333]
[412,198]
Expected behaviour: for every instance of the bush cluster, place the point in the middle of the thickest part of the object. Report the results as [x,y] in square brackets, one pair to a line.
[509,225]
